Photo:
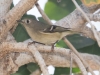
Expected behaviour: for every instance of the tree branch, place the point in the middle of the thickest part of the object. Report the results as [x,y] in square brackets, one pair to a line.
[60,57]
[14,14]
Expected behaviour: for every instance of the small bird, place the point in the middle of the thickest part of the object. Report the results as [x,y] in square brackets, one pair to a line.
[44,33]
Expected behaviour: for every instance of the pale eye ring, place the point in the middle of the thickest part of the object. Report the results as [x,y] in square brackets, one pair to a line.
[28,21]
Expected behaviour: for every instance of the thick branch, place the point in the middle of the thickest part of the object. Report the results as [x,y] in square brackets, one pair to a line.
[4,7]
[59,57]
[15,14]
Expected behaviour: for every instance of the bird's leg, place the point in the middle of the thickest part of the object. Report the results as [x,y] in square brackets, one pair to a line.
[29,43]
[52,47]
[34,43]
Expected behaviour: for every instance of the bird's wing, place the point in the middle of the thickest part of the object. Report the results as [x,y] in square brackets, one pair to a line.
[45,28]
[53,28]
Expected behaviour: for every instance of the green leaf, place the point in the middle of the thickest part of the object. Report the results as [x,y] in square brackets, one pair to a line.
[77,41]
[80,41]
[20,34]
[57,10]
[65,71]
[42,20]
[54,11]
[22,71]
[29,16]
[32,67]
[12,5]
[93,49]
[16,74]
[62,44]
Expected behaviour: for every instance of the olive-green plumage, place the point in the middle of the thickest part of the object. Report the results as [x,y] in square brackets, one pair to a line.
[44,33]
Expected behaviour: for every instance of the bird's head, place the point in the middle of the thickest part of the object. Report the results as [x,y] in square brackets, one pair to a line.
[27,22]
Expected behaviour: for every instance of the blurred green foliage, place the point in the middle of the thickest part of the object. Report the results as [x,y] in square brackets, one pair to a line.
[65,71]
[22,71]
[56,9]
[32,67]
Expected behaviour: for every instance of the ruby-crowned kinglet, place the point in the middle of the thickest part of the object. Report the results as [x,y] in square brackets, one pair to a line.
[44,33]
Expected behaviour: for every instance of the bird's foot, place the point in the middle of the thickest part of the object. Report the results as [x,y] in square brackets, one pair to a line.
[35,42]
[31,43]
[53,45]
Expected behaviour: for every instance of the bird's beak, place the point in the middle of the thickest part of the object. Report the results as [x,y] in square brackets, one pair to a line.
[19,21]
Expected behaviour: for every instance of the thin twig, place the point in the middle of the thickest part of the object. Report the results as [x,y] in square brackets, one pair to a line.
[80,64]
[39,60]
[45,17]
[71,62]
[93,29]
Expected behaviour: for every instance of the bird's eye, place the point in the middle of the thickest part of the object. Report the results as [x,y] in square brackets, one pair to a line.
[28,21]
